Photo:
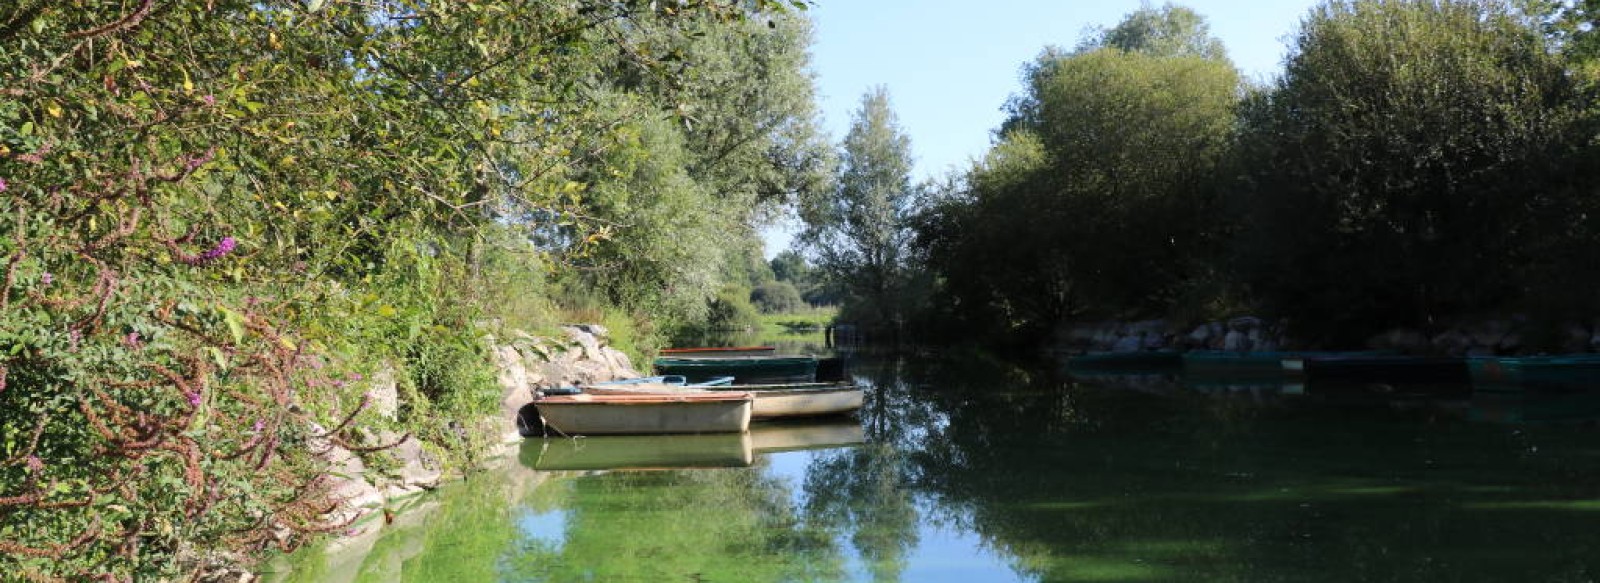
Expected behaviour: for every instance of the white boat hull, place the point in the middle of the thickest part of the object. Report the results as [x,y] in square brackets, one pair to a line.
[808,402]
[647,414]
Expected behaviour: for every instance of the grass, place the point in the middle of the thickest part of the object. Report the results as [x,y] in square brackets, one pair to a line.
[805,325]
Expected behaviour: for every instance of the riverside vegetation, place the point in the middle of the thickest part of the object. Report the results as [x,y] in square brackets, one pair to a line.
[221,218]
[1416,164]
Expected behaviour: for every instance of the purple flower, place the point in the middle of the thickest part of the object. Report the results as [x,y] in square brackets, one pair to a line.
[356,376]
[3,185]
[209,99]
[259,426]
[132,340]
[47,278]
[194,398]
[338,384]
[224,247]
[198,161]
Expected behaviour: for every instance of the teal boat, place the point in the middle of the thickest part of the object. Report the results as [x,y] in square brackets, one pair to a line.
[1131,362]
[1569,372]
[743,369]
[1379,368]
[1223,362]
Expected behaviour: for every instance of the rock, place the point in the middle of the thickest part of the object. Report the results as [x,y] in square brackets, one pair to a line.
[1453,342]
[1236,341]
[384,394]
[1244,323]
[419,470]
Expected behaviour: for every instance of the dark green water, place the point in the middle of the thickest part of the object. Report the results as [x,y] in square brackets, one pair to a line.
[990,473]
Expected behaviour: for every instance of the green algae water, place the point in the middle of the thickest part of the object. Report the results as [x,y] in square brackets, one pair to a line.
[983,472]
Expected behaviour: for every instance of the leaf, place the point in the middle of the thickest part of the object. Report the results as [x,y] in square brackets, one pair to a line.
[235,322]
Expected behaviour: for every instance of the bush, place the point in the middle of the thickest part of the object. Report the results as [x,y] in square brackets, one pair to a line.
[775,297]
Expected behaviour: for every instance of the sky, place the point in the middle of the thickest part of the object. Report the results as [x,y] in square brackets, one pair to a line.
[949,66]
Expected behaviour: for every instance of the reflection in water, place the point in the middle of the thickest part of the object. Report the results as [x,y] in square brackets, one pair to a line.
[979,471]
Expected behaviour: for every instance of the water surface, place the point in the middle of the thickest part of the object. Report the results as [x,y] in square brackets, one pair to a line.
[961,470]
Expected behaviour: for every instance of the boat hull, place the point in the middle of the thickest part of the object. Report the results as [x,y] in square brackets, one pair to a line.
[728,412]
[718,352]
[744,370]
[802,399]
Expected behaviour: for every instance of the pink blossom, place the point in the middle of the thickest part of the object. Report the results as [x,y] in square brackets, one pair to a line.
[132,340]
[193,397]
[356,376]
[198,161]
[3,185]
[224,247]
[259,426]
[209,99]
[35,464]
[47,278]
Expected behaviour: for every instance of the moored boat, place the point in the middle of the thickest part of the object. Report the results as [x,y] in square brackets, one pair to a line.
[783,400]
[1384,368]
[592,414]
[744,369]
[1223,362]
[718,351]
[1141,361]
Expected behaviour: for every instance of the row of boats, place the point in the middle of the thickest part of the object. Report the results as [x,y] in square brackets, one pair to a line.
[711,390]
[1573,371]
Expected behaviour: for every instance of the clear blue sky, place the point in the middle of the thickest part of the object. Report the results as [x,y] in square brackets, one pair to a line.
[950,65]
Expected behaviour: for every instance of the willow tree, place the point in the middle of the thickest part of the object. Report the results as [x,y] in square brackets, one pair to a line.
[1408,165]
[861,230]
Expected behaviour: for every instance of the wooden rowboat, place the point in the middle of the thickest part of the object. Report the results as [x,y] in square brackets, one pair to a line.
[772,401]
[712,352]
[776,401]
[590,414]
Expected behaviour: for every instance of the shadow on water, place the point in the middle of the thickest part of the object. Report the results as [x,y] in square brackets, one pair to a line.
[965,470]
[1263,482]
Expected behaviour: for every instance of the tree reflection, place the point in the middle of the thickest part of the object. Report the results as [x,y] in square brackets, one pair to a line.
[1077,482]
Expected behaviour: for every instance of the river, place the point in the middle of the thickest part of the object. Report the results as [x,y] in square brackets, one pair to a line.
[966,469]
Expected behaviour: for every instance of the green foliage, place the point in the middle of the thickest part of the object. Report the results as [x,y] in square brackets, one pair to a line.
[1408,167]
[776,297]
[1169,31]
[861,231]
[1100,200]
[221,216]
[731,310]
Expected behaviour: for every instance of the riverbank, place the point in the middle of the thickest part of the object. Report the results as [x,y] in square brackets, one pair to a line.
[1472,337]
[372,492]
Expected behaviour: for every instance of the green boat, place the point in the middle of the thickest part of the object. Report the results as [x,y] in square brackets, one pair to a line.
[1132,362]
[1567,372]
[1223,362]
[743,369]
[1382,368]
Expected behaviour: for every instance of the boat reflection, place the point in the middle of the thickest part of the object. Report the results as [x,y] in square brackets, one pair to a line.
[677,452]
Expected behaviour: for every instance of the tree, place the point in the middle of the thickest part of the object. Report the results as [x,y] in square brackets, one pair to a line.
[1099,198]
[860,232]
[1169,31]
[1407,167]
